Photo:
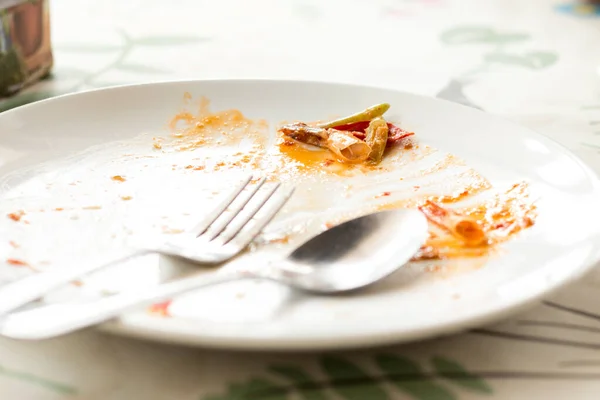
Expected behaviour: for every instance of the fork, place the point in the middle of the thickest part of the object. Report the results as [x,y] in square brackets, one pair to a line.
[217,238]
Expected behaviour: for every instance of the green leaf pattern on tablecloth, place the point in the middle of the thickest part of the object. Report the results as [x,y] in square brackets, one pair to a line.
[499,41]
[35,380]
[351,382]
[461,35]
[308,387]
[255,388]
[500,56]
[480,34]
[339,369]
[119,63]
[416,385]
[456,373]
[532,60]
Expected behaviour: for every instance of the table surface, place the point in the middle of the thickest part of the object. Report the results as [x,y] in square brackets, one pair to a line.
[534,62]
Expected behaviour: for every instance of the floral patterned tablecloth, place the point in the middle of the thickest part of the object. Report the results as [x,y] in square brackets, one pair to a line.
[535,62]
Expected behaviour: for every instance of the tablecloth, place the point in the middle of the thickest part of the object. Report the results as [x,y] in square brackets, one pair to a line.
[535,62]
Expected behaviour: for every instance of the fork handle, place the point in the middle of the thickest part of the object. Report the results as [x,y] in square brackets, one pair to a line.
[18,293]
[58,319]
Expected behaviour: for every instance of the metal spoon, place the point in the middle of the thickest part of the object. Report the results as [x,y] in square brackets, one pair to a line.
[349,256]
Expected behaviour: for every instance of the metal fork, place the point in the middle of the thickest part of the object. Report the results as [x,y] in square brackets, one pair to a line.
[217,238]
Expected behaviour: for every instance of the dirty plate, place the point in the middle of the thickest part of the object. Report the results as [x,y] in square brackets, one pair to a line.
[85,174]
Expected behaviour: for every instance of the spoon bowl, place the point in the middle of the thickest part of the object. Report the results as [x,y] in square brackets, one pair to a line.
[353,254]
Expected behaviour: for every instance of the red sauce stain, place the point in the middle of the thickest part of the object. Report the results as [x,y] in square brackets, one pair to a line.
[161,309]
[16,216]
[16,262]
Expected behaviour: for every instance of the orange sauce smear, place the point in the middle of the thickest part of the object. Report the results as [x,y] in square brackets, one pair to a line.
[15,262]
[476,185]
[191,131]
[500,218]
[315,160]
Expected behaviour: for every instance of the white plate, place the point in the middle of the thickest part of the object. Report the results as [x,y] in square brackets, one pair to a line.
[61,153]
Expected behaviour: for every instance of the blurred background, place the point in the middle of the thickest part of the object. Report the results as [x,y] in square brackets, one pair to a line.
[536,61]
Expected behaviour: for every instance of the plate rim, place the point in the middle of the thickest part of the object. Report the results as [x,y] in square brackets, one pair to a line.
[323,342]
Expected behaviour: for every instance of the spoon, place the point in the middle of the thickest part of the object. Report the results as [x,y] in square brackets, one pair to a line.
[346,257]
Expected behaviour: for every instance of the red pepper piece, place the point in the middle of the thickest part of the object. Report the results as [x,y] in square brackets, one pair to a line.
[358,130]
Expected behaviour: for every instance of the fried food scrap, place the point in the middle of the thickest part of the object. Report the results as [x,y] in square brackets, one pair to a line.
[343,144]
[463,228]
[376,137]
[355,138]
[474,231]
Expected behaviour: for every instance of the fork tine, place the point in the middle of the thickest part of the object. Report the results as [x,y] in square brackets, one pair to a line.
[243,218]
[221,223]
[272,205]
[209,219]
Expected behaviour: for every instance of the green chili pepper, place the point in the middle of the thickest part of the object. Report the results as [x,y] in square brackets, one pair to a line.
[365,115]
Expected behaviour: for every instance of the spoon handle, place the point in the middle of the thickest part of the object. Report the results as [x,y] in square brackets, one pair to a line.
[52,320]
